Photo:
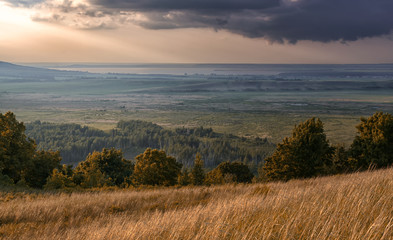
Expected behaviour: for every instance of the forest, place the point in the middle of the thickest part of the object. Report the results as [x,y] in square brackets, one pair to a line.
[306,154]
[75,142]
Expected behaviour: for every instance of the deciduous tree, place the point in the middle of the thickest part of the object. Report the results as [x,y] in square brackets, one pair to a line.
[105,167]
[154,167]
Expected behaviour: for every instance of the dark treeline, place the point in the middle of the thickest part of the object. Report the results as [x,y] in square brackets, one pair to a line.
[23,165]
[75,142]
[307,153]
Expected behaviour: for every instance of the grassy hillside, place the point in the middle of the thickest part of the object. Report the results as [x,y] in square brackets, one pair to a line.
[356,206]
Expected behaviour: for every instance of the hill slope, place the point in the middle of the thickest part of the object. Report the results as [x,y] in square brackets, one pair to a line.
[24,73]
[356,206]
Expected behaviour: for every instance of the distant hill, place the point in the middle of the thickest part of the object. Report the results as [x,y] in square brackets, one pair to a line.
[10,71]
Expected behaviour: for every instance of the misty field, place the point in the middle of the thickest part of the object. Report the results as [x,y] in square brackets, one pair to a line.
[355,206]
[245,100]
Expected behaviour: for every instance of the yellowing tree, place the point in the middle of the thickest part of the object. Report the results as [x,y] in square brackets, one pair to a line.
[154,167]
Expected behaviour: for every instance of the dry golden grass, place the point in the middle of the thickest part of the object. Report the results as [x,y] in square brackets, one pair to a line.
[356,206]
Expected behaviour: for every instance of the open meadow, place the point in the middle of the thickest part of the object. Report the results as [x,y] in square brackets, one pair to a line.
[356,206]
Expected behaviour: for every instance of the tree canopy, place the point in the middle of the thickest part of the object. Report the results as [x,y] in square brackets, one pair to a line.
[75,142]
[41,168]
[373,146]
[19,160]
[305,154]
[16,150]
[105,167]
[154,167]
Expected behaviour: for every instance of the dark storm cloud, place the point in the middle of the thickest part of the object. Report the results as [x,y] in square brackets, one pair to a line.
[277,21]
[152,5]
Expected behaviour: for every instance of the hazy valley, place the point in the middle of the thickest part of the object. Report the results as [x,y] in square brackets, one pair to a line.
[229,172]
[245,100]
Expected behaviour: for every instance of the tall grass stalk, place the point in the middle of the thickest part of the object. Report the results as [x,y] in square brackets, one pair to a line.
[357,206]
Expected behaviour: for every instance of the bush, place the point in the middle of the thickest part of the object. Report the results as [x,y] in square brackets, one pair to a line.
[227,172]
[59,180]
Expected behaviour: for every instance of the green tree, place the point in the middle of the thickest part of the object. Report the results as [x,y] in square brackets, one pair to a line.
[340,161]
[197,172]
[16,150]
[60,179]
[227,172]
[373,146]
[154,167]
[105,167]
[184,178]
[41,168]
[5,180]
[306,154]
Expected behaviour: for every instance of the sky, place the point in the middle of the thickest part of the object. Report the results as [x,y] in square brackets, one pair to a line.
[197,31]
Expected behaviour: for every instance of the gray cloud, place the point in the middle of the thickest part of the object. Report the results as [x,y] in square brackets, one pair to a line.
[277,21]
[23,3]
[217,5]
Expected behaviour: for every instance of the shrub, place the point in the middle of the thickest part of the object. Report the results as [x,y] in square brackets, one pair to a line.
[227,172]
[59,180]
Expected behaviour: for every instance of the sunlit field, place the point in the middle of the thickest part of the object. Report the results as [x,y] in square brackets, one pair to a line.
[355,206]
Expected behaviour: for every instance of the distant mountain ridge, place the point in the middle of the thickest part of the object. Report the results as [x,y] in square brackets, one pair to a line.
[15,72]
